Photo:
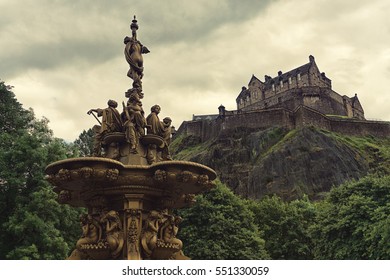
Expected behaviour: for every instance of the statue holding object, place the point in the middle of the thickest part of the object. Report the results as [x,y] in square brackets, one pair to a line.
[111,122]
[133,53]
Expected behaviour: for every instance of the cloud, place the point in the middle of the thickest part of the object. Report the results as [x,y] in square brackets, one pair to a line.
[65,57]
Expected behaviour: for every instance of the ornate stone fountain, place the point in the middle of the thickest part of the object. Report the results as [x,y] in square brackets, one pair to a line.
[131,184]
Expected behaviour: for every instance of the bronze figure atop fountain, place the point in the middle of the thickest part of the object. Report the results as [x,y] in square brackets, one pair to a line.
[133,53]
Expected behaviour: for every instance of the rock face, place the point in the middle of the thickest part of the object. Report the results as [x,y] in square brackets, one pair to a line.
[255,163]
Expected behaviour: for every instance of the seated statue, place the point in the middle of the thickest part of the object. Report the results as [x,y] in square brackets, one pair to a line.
[91,231]
[114,233]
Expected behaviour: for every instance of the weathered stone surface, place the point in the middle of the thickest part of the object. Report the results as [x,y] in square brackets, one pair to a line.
[289,163]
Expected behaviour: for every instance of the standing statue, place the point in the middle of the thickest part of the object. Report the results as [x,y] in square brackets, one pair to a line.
[167,130]
[111,122]
[160,128]
[133,53]
[155,127]
[134,120]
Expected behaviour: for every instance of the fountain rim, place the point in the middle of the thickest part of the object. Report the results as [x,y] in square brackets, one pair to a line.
[56,166]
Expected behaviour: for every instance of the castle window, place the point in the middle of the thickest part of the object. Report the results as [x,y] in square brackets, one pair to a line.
[273,87]
[289,80]
[299,76]
[281,84]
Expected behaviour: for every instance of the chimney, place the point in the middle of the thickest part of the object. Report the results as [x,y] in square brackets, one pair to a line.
[311,58]
[280,73]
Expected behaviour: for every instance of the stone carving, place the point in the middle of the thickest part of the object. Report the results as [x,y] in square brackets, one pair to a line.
[86,172]
[160,175]
[92,231]
[111,122]
[64,196]
[112,174]
[133,234]
[186,176]
[203,180]
[114,233]
[150,232]
[169,231]
[189,199]
[158,237]
[64,174]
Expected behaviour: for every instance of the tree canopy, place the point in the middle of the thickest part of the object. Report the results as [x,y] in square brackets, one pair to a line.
[33,225]
[354,221]
[220,226]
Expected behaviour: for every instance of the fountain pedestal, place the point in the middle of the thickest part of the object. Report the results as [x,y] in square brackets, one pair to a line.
[129,206]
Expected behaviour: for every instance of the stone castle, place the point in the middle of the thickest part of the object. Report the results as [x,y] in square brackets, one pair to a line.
[305,85]
[300,97]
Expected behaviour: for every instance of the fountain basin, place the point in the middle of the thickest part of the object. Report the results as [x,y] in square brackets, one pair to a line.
[167,184]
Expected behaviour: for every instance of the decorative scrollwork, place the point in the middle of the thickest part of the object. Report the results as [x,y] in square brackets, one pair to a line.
[64,196]
[64,174]
[112,174]
[160,176]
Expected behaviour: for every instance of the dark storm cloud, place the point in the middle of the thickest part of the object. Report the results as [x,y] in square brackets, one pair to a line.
[50,34]
[172,21]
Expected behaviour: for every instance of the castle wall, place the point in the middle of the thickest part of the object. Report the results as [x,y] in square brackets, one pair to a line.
[361,127]
[305,116]
[302,116]
[323,100]
[260,119]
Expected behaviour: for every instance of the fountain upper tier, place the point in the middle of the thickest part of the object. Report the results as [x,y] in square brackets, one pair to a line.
[167,184]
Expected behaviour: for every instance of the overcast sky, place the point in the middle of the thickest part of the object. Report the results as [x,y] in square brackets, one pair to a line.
[65,57]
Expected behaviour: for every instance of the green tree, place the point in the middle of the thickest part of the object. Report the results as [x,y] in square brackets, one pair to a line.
[286,226]
[84,143]
[38,225]
[220,226]
[27,146]
[353,222]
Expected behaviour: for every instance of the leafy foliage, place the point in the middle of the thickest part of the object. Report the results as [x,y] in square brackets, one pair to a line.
[354,221]
[220,226]
[38,225]
[84,143]
[286,226]
[29,227]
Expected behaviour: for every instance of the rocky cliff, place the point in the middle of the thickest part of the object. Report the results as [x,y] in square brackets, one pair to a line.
[289,163]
